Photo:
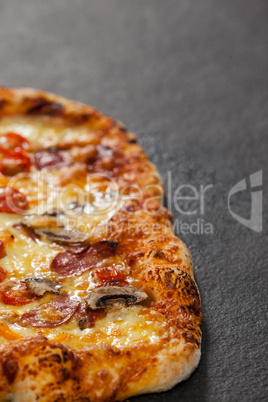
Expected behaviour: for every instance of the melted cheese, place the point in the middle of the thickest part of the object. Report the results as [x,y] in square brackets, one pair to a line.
[45,134]
[25,258]
[121,327]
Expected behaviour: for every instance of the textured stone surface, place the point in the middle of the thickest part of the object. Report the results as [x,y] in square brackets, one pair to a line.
[190,77]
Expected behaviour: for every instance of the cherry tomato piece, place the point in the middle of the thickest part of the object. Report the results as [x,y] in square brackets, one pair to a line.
[13,142]
[15,294]
[13,163]
[12,201]
[3,274]
[109,274]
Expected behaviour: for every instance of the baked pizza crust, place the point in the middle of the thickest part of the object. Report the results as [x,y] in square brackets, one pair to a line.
[36,368]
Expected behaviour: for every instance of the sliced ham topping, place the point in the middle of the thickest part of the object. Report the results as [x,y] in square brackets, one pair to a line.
[70,264]
[52,314]
[51,158]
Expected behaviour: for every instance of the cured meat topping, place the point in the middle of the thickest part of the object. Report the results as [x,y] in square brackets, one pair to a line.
[52,314]
[51,158]
[69,264]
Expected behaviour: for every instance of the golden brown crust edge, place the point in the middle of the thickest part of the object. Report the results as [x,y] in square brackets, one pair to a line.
[166,271]
[134,166]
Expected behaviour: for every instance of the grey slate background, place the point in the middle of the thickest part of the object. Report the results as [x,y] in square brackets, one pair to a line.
[190,77]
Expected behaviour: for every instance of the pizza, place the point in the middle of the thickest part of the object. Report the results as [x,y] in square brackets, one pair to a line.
[97,296]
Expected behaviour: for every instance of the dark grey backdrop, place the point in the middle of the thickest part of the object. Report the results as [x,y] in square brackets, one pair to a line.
[190,77]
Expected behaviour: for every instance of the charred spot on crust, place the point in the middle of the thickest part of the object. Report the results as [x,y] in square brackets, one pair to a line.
[181,304]
[159,254]
[81,118]
[10,368]
[83,399]
[64,374]
[112,244]
[168,279]
[107,159]
[54,357]
[133,141]
[3,103]
[67,354]
[53,149]
[112,350]
[188,336]
[124,129]
[134,257]
[41,106]
[194,306]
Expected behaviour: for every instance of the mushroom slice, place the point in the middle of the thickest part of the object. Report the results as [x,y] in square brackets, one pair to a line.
[40,286]
[107,295]
[63,235]
[52,227]
[41,221]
